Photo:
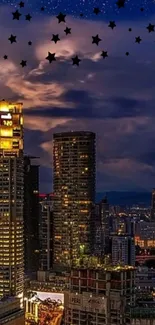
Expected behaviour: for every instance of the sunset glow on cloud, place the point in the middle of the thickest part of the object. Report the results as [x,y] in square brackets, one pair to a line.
[113,97]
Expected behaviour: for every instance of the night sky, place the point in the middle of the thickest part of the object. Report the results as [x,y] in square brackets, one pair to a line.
[112,96]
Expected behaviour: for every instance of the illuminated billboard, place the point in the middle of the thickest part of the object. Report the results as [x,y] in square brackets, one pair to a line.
[45,308]
[39,295]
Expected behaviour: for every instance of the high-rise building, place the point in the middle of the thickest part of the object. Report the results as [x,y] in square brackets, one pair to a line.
[31,215]
[74,190]
[11,199]
[101,225]
[46,232]
[99,295]
[123,250]
[153,205]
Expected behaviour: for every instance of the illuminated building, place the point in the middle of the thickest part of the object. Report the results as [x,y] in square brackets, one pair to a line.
[123,250]
[145,234]
[31,215]
[11,313]
[99,295]
[11,199]
[46,231]
[74,190]
[153,205]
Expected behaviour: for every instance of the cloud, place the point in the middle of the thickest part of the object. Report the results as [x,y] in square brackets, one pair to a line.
[113,97]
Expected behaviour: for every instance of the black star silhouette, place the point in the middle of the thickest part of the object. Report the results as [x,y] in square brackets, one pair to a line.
[51,57]
[130,29]
[142,9]
[81,14]
[112,24]
[96,39]
[29,43]
[120,3]
[150,28]
[5,57]
[55,38]
[67,30]
[16,15]
[104,54]
[12,39]
[28,17]
[96,11]
[23,63]
[61,17]
[138,39]
[42,8]
[21,4]
[127,53]
[76,60]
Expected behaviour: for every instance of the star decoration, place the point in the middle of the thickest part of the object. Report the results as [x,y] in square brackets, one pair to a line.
[12,39]
[96,11]
[120,3]
[21,4]
[127,53]
[55,38]
[130,29]
[61,18]
[51,57]
[138,40]
[28,17]
[96,39]
[5,57]
[67,30]
[112,24]
[29,43]
[104,54]
[76,60]
[42,8]
[23,63]
[150,28]
[16,15]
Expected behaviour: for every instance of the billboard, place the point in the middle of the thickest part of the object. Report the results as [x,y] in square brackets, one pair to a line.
[41,296]
[87,302]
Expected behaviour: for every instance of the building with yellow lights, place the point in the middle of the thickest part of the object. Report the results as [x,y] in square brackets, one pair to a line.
[11,199]
[74,194]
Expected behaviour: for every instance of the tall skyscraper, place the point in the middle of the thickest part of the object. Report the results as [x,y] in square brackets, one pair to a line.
[46,231]
[11,199]
[31,215]
[153,205]
[74,190]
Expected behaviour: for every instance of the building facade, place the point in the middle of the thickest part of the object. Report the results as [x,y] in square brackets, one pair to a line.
[11,199]
[99,296]
[123,250]
[11,313]
[74,190]
[31,215]
[46,232]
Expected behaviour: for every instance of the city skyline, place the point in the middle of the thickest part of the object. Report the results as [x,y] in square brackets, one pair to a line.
[110,97]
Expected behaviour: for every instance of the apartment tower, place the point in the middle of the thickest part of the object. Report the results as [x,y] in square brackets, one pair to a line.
[11,199]
[74,194]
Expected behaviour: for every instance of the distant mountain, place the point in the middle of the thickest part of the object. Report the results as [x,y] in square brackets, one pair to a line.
[126,198]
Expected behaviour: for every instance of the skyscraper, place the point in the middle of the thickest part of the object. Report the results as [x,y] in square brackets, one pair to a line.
[31,215]
[74,190]
[46,231]
[11,199]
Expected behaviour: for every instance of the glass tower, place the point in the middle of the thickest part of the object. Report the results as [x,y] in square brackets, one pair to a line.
[74,194]
[11,199]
